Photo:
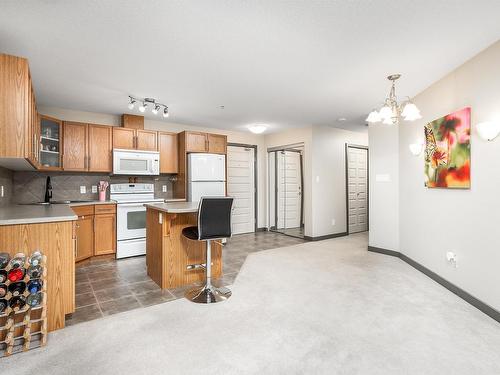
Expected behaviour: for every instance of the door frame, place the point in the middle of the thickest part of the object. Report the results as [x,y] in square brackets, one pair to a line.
[255,180]
[284,149]
[347,146]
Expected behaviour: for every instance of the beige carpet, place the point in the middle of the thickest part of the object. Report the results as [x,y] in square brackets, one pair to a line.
[327,307]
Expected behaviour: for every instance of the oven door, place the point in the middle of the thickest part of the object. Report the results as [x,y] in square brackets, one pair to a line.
[131,221]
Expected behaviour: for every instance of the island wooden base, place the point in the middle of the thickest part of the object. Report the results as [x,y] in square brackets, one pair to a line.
[168,252]
[55,240]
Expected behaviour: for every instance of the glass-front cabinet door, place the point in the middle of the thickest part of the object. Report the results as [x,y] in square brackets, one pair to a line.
[50,143]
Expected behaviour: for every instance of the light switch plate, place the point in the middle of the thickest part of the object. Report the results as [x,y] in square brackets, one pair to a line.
[164,188]
[83,189]
[94,188]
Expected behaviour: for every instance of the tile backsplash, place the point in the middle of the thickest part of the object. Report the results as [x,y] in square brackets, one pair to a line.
[6,182]
[28,187]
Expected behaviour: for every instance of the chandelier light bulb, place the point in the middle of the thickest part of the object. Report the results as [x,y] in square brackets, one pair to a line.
[155,109]
[373,117]
[165,112]
[385,113]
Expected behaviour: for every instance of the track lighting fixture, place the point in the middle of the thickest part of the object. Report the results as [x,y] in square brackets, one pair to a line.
[148,103]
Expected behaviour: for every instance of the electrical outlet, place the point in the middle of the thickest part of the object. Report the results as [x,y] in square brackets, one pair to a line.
[83,190]
[317,178]
[164,188]
[1,191]
[451,257]
[94,188]
[333,222]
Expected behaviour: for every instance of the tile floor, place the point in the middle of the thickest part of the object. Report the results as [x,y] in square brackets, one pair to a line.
[109,286]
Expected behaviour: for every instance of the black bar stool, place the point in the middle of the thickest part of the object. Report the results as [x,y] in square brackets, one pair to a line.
[214,223]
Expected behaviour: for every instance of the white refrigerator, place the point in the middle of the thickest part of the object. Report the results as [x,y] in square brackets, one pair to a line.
[206,176]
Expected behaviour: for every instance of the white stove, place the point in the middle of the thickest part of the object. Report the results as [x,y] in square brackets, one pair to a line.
[131,217]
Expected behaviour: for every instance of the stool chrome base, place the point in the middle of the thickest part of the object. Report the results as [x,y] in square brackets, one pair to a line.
[208,294]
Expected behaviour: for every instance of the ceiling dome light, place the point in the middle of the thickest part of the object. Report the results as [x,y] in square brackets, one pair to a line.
[165,112]
[156,109]
[257,128]
[488,130]
[373,117]
[132,103]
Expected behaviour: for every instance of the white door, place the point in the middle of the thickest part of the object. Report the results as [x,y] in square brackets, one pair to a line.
[241,186]
[357,175]
[289,190]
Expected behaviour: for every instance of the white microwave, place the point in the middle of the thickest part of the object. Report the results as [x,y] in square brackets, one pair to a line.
[135,162]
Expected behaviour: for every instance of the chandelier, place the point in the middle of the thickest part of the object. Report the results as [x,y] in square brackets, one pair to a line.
[392,111]
[148,102]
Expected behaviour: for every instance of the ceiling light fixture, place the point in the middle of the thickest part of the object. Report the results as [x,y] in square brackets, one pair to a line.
[488,130]
[392,111]
[148,103]
[257,128]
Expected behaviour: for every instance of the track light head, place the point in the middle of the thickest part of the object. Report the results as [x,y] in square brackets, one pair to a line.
[156,109]
[165,112]
[142,107]
[132,103]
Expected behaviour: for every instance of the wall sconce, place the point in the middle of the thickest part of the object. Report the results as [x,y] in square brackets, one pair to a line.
[488,130]
[416,148]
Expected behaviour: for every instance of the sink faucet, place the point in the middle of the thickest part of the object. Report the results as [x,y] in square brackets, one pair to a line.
[48,190]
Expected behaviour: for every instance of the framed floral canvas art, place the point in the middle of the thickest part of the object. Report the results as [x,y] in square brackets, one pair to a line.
[447,151]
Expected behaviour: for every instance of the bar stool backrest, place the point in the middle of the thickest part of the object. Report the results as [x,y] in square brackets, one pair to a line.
[214,218]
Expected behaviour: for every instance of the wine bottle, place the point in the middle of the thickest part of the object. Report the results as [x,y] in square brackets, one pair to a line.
[35,272]
[36,258]
[18,260]
[4,260]
[3,305]
[17,288]
[34,300]
[3,276]
[3,290]
[15,274]
[34,286]
[17,302]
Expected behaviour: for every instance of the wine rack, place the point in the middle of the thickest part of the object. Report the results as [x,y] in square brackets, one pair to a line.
[24,327]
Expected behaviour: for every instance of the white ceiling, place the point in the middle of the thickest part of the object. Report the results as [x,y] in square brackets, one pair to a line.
[285,63]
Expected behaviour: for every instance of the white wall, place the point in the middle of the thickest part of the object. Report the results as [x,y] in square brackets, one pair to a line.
[434,221]
[232,136]
[328,178]
[384,186]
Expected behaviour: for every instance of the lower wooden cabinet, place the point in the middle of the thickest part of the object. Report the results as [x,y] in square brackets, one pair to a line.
[95,230]
[105,234]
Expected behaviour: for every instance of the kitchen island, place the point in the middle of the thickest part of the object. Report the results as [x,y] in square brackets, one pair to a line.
[169,253]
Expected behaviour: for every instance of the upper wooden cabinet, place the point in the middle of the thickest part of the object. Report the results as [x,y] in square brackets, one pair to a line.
[134,139]
[167,145]
[133,121]
[100,148]
[217,144]
[204,142]
[146,140]
[87,147]
[19,135]
[51,143]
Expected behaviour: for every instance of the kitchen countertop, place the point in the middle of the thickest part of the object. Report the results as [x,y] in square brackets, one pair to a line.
[32,214]
[174,207]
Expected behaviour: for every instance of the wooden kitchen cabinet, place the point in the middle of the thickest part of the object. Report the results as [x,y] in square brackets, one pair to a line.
[51,143]
[96,230]
[217,144]
[84,237]
[123,138]
[75,146]
[105,234]
[87,147]
[146,140]
[134,139]
[100,148]
[196,142]
[169,158]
